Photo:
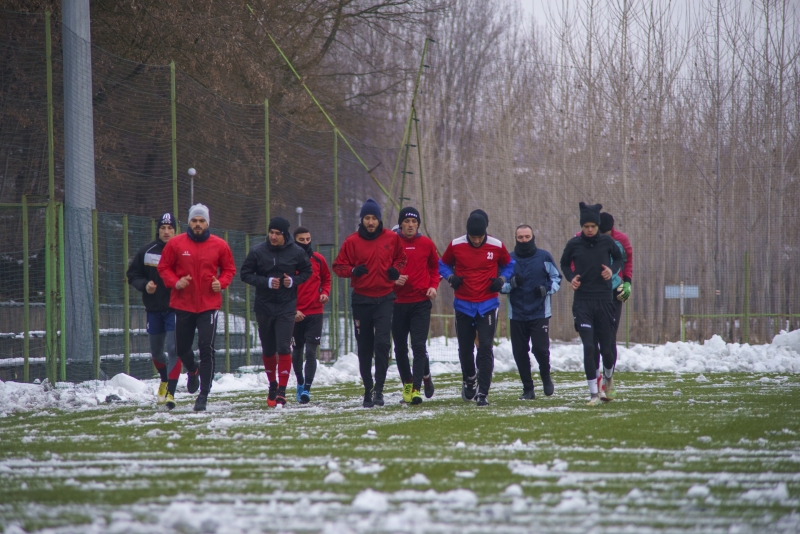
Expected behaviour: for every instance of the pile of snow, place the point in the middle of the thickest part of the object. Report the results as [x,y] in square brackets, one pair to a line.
[713,356]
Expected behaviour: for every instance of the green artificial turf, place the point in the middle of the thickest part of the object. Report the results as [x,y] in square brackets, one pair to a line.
[666,433]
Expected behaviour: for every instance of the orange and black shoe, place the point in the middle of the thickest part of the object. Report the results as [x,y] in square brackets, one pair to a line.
[272,395]
[280,396]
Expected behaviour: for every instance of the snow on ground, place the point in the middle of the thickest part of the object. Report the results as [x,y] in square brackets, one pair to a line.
[712,356]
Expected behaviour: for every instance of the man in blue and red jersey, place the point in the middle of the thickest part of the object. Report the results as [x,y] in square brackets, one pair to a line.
[415,289]
[311,298]
[197,266]
[372,258]
[476,265]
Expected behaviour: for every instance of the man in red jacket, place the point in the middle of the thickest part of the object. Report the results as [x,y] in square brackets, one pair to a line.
[311,298]
[197,266]
[372,257]
[476,265]
[415,290]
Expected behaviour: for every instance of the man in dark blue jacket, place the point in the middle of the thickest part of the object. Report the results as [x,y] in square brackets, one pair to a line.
[535,278]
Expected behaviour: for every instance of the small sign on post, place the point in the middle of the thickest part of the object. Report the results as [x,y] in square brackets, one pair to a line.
[682,292]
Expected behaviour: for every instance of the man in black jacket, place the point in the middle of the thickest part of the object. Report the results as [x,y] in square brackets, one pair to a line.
[586,265]
[276,267]
[143,276]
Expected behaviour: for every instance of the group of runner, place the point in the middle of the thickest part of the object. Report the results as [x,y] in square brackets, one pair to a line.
[394,275]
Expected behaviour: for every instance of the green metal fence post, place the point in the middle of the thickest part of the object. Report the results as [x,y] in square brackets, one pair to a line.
[26,309]
[335,303]
[247,307]
[266,163]
[96,296]
[627,328]
[126,300]
[174,119]
[48,294]
[61,285]
[227,303]
[51,186]
[747,297]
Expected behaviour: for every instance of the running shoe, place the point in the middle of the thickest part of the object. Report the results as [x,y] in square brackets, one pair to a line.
[482,400]
[407,388]
[201,402]
[527,394]
[280,395]
[594,401]
[305,397]
[162,393]
[299,392]
[170,401]
[377,397]
[547,386]
[468,391]
[193,381]
[608,389]
[368,400]
[427,386]
[272,394]
[416,398]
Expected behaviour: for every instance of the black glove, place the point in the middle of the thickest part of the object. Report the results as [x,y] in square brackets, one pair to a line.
[359,270]
[496,285]
[393,273]
[516,281]
[540,291]
[455,281]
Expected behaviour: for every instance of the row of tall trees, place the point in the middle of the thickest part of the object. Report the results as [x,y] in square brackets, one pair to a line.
[683,124]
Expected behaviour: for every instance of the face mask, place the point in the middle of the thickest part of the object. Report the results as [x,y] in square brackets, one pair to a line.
[524,250]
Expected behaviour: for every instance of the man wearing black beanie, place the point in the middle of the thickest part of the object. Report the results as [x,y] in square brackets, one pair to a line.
[591,255]
[476,265]
[276,267]
[143,276]
[416,288]
[373,259]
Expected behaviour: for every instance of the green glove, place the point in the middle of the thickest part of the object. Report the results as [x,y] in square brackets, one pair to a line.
[624,292]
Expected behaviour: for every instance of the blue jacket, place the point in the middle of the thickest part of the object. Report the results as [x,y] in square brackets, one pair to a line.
[618,266]
[537,270]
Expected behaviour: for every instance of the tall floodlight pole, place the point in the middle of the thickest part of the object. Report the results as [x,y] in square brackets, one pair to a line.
[79,186]
[299,211]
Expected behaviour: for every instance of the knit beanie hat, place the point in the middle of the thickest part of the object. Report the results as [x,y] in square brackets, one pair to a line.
[371,207]
[199,210]
[590,214]
[167,219]
[606,222]
[280,224]
[476,225]
[405,213]
[481,212]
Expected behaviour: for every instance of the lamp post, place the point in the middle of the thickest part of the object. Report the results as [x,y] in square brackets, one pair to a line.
[299,211]
[192,173]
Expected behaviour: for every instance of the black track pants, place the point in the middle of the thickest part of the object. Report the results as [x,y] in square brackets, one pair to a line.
[526,335]
[618,305]
[415,319]
[466,328]
[205,323]
[307,334]
[373,325]
[594,322]
[275,333]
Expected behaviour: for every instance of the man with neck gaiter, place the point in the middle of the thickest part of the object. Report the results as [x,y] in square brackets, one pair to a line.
[311,298]
[535,278]
[143,276]
[415,289]
[197,266]
[276,267]
[590,255]
[372,258]
[476,265]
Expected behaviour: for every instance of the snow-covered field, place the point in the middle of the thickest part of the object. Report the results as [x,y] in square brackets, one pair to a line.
[705,438]
[713,356]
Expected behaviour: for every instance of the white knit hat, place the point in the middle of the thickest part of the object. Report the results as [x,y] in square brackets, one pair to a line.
[199,210]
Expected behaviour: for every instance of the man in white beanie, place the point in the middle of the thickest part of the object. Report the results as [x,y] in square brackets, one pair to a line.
[197,266]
